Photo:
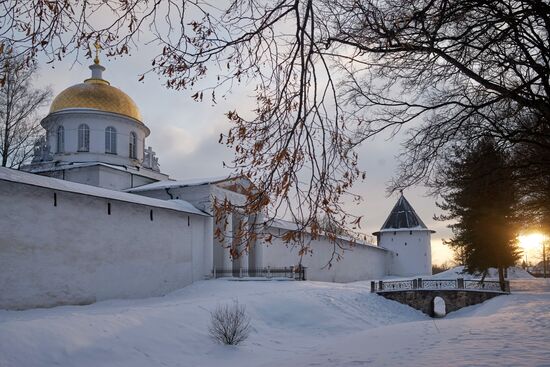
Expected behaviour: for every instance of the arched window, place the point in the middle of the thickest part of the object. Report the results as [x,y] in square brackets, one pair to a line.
[110,140]
[60,139]
[133,145]
[83,138]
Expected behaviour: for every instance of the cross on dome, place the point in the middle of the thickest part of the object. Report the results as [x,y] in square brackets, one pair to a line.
[97,46]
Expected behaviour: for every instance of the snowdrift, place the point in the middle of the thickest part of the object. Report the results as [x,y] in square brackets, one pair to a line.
[458,272]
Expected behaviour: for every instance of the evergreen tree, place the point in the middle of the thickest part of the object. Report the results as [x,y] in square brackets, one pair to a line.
[480,195]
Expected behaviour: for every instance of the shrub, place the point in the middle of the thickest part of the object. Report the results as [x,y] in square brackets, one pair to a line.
[230,324]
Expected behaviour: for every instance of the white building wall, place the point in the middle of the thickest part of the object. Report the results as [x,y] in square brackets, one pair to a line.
[113,179]
[75,253]
[359,263]
[199,196]
[411,251]
[100,176]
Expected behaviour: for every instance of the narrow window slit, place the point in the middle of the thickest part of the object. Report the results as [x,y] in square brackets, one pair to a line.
[109,208]
[54,199]
[151,215]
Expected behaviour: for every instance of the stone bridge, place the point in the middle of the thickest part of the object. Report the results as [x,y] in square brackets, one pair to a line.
[456,293]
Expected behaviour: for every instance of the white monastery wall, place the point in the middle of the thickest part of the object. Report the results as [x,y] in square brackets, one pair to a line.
[362,262]
[411,251]
[76,253]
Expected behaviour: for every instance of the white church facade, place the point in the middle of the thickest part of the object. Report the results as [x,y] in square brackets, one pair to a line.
[94,218]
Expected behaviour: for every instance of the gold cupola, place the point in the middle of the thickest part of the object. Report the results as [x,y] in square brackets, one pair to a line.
[96,93]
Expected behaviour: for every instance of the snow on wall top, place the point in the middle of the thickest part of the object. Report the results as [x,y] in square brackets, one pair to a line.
[167,184]
[11,175]
[292,226]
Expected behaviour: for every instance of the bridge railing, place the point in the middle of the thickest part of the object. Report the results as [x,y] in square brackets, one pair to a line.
[433,284]
[486,285]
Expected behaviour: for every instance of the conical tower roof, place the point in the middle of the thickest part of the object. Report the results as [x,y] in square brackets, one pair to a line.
[403,216]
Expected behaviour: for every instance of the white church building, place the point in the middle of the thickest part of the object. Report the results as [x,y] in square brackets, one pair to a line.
[94,218]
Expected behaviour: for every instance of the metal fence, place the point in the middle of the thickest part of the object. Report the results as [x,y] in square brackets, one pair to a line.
[291,272]
[434,284]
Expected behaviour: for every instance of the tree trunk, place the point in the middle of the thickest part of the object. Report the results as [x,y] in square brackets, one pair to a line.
[501,278]
[7,127]
[484,274]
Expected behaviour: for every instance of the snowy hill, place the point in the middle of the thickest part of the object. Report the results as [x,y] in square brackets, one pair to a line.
[458,272]
[294,323]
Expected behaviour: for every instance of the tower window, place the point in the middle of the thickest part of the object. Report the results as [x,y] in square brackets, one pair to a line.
[133,145]
[109,208]
[83,138]
[410,232]
[110,140]
[60,139]
[151,215]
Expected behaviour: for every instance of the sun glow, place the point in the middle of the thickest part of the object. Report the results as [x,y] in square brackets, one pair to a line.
[531,241]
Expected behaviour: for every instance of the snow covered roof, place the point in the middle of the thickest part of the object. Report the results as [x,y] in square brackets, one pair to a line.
[403,217]
[168,184]
[11,175]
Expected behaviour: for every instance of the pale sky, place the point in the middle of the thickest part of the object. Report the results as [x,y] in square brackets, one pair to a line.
[185,133]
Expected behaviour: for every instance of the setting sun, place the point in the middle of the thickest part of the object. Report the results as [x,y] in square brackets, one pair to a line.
[531,241]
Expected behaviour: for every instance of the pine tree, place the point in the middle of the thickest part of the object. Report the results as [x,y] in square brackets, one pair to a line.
[479,194]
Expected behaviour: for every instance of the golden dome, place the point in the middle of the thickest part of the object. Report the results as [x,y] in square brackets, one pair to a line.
[96,93]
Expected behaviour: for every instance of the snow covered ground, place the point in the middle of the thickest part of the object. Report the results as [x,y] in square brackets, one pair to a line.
[458,272]
[294,323]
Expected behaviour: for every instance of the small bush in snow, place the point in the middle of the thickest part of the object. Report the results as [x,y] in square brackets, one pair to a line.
[230,324]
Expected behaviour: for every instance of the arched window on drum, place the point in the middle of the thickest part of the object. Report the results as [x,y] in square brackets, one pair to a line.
[83,138]
[133,145]
[110,140]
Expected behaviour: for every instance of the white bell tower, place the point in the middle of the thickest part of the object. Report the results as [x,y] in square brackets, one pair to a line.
[409,240]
